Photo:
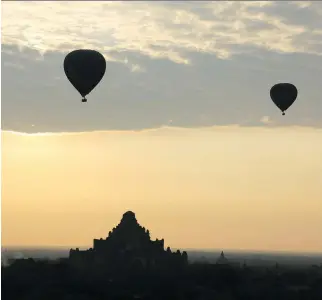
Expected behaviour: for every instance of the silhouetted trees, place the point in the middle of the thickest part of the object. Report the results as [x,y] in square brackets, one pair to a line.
[29,279]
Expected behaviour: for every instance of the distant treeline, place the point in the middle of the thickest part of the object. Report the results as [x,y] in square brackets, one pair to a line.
[29,279]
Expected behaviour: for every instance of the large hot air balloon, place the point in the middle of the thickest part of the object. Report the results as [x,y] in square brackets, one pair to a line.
[283,95]
[84,69]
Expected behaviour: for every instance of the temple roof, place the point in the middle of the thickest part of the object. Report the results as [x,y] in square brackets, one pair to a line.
[129,218]
[129,214]
[129,239]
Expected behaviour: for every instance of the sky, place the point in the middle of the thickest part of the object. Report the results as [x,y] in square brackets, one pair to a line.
[181,129]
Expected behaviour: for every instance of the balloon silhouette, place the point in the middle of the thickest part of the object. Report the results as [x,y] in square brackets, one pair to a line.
[283,95]
[84,69]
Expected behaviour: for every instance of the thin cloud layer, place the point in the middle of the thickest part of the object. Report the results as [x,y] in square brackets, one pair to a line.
[168,131]
[168,30]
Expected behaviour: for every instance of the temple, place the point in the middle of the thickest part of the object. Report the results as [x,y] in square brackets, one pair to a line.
[222,260]
[128,244]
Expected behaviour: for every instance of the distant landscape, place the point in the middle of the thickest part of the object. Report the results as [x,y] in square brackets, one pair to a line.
[129,265]
[251,258]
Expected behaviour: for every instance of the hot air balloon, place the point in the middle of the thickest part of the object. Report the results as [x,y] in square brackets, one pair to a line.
[283,95]
[84,69]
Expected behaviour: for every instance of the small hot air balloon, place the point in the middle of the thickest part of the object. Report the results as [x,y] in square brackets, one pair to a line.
[84,69]
[283,95]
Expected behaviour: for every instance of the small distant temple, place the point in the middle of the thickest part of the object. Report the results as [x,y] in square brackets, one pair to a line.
[127,245]
[222,260]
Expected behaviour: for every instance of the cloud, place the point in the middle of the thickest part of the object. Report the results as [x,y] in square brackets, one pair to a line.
[13,65]
[266,120]
[167,30]
[302,4]
[211,92]
[170,130]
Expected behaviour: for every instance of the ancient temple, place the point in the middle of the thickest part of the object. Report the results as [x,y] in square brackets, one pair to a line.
[128,244]
[222,260]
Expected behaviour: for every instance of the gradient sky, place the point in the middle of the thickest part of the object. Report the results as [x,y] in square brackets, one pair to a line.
[181,130]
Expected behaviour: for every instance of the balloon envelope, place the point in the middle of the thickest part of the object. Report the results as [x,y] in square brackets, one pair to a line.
[283,95]
[84,69]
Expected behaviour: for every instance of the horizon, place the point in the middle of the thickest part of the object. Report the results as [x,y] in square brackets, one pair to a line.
[181,129]
[195,250]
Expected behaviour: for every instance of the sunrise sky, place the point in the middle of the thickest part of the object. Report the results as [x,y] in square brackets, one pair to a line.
[181,130]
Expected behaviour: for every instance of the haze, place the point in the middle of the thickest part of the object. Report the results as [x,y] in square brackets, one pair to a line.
[181,129]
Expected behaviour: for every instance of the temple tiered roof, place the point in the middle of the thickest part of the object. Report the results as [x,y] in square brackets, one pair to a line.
[128,242]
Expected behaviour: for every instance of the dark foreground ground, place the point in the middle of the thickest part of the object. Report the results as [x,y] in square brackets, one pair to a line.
[27,279]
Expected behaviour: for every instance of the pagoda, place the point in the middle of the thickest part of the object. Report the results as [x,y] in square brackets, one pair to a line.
[222,260]
[127,245]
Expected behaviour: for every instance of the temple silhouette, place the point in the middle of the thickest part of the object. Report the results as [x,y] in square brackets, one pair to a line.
[128,245]
[129,265]
[222,260]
